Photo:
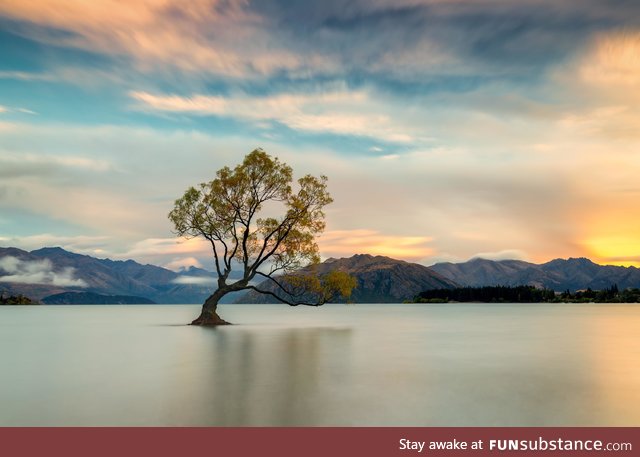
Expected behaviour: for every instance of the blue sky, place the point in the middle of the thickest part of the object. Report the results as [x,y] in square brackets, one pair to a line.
[448,129]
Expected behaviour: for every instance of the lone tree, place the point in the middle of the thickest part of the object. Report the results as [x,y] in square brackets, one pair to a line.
[226,211]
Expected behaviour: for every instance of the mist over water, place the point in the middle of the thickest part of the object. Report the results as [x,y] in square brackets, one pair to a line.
[420,365]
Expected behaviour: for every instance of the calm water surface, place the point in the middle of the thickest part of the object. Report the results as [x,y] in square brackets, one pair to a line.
[421,365]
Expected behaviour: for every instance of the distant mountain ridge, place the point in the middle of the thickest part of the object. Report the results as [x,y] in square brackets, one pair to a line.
[559,274]
[49,271]
[380,279]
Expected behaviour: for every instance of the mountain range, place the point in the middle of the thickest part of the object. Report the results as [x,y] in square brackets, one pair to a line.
[559,274]
[89,298]
[380,279]
[49,271]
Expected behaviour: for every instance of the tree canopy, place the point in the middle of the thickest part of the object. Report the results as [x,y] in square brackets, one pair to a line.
[237,214]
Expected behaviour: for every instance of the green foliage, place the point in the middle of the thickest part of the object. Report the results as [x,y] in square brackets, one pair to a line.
[339,284]
[225,211]
[16,300]
[309,287]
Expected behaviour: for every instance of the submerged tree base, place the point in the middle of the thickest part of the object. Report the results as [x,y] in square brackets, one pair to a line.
[209,319]
[210,322]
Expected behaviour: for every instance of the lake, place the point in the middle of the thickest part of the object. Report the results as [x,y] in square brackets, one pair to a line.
[337,365]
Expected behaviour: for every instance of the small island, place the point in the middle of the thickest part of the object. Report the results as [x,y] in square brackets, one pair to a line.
[17,300]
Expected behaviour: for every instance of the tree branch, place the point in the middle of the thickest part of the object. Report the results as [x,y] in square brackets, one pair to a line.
[277,283]
[283,300]
[215,254]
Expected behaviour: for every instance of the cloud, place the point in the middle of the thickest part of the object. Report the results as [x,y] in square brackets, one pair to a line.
[76,200]
[440,45]
[194,280]
[345,243]
[203,36]
[25,76]
[15,165]
[181,263]
[173,253]
[37,272]
[166,246]
[337,112]
[629,260]
[612,63]
[511,120]
[25,111]
[7,127]
[429,42]
[7,109]
[82,244]
[84,179]
[506,254]
[600,88]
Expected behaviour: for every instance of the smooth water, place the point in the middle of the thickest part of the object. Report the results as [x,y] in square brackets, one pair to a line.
[384,365]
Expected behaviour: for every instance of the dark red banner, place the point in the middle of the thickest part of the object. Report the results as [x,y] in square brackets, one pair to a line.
[317,442]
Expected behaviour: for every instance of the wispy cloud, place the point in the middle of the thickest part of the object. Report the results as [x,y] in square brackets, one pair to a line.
[26,76]
[180,263]
[25,111]
[345,243]
[422,41]
[168,246]
[37,272]
[338,112]
[202,36]
[506,254]
[194,280]
[8,109]
[14,165]
[612,63]
[82,244]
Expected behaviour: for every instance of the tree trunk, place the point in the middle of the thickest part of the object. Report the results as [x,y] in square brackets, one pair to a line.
[209,316]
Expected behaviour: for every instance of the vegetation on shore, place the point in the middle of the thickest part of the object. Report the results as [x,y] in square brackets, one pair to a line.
[17,300]
[609,295]
[527,294]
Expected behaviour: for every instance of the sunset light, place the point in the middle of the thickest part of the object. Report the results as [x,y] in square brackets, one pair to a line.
[519,124]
